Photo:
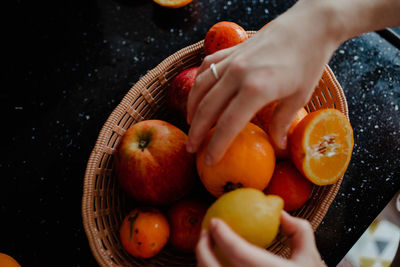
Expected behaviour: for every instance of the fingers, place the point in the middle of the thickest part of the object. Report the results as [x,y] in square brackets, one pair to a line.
[204,253]
[240,252]
[214,58]
[282,118]
[204,82]
[209,109]
[233,120]
[300,233]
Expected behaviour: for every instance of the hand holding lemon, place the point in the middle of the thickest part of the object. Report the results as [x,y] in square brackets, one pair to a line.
[243,209]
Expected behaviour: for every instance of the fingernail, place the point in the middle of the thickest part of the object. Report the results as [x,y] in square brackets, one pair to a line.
[208,160]
[284,213]
[213,223]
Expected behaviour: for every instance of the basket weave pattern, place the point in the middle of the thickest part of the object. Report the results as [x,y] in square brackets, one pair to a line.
[104,204]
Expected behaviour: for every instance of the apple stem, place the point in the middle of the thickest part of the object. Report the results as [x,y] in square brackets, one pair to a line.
[144,139]
[143,144]
[229,186]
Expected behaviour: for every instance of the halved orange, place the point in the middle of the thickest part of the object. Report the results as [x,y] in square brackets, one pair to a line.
[321,146]
[172,3]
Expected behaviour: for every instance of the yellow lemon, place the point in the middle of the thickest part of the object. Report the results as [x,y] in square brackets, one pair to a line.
[250,213]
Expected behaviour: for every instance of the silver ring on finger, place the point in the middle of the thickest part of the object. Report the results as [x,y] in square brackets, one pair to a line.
[214,71]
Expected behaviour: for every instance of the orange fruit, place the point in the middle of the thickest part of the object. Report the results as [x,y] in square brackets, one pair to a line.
[223,35]
[8,261]
[185,219]
[248,162]
[263,119]
[172,3]
[290,185]
[144,232]
[321,146]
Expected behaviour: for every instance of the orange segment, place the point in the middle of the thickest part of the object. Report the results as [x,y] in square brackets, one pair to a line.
[321,146]
[172,3]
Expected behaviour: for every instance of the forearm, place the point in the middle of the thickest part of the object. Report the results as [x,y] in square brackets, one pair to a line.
[349,18]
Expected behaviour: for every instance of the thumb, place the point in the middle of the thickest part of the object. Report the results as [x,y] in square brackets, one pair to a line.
[300,233]
[240,252]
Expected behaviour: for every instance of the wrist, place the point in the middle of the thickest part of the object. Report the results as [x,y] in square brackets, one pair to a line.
[325,18]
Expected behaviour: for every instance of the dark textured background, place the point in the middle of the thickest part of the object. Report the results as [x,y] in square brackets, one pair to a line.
[69,63]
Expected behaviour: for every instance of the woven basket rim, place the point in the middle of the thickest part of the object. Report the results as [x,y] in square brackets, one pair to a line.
[135,90]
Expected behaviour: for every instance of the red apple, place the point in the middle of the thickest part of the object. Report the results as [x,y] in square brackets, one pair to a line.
[185,219]
[179,89]
[152,163]
[290,185]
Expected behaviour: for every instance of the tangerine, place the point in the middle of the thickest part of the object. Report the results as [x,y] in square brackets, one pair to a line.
[144,232]
[321,146]
[248,162]
[223,35]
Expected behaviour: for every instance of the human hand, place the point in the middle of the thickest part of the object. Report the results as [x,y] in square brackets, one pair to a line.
[283,61]
[242,253]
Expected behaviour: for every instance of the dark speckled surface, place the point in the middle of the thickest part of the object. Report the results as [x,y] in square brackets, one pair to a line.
[368,69]
[72,62]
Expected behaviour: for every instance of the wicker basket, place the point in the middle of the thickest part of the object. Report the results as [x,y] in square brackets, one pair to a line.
[104,204]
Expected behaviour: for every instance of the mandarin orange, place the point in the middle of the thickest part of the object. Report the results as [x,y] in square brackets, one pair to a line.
[144,232]
[248,162]
[223,35]
[321,146]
